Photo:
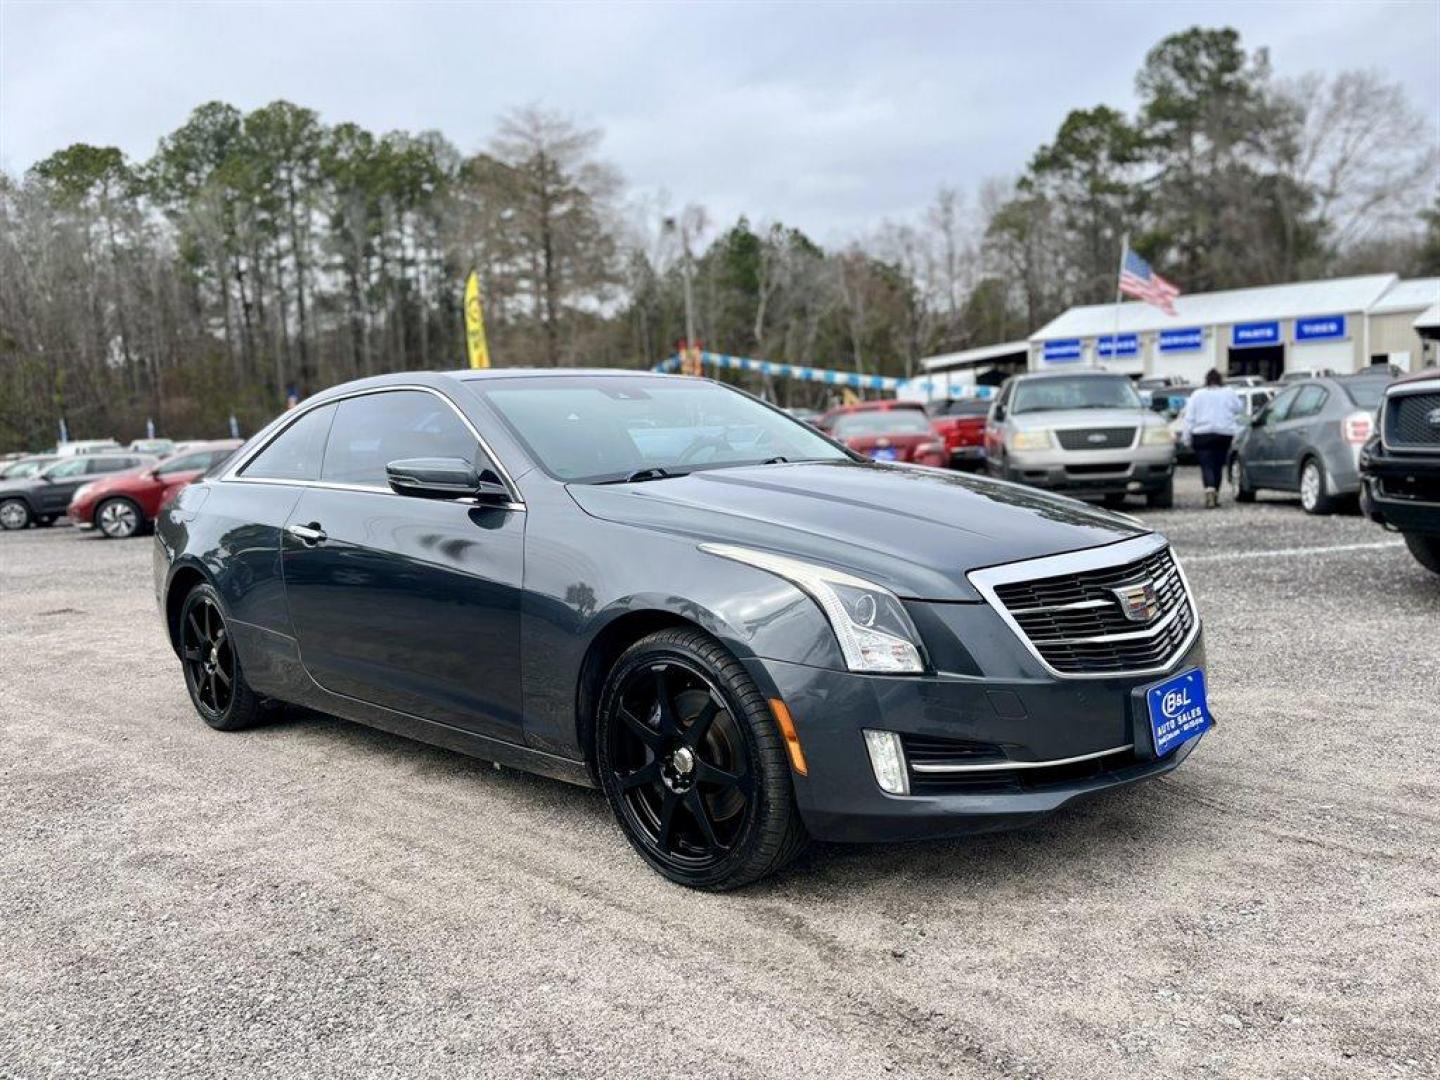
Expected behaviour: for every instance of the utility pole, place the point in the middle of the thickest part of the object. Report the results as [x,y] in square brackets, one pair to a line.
[691,220]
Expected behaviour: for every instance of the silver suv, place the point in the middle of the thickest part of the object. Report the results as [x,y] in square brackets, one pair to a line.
[1086,433]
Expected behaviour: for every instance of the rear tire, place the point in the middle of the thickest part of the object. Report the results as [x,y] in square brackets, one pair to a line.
[217,685]
[1426,549]
[15,514]
[694,765]
[1315,497]
[1164,498]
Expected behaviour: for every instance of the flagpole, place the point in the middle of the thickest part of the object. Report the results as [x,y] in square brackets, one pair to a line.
[1115,336]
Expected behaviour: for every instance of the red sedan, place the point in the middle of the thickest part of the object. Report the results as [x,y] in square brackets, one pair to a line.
[888,434]
[961,423]
[125,503]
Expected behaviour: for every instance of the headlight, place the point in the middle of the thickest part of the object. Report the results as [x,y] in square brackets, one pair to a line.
[874,632]
[81,492]
[1030,440]
[1156,436]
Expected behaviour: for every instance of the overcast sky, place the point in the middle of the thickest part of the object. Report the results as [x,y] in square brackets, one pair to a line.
[829,117]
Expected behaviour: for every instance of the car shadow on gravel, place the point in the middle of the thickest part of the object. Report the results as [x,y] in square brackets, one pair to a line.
[1104,830]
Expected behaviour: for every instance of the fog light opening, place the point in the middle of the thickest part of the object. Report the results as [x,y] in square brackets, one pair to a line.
[887,759]
[792,740]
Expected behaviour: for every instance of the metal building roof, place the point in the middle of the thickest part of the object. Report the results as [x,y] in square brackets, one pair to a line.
[1429,319]
[1338,296]
[1417,294]
[971,357]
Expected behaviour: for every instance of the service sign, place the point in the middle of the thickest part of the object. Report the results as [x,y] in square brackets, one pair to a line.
[1122,345]
[1254,333]
[1189,340]
[1321,328]
[1061,351]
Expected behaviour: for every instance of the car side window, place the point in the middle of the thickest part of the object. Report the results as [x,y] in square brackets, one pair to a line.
[76,466]
[296,453]
[109,465]
[188,463]
[1280,407]
[1308,402]
[373,430]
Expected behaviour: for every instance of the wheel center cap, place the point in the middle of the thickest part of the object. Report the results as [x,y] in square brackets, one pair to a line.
[683,760]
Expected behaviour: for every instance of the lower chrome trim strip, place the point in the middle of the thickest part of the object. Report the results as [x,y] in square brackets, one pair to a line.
[1005,766]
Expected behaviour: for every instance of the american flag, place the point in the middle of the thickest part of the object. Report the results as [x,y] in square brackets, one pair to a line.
[1139,281]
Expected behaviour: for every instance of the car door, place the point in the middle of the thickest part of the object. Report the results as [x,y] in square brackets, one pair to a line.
[407,602]
[1291,434]
[62,480]
[1259,453]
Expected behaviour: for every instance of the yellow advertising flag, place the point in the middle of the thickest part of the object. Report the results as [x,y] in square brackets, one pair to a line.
[475,324]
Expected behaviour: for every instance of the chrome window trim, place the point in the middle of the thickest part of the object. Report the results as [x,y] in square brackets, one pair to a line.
[1005,766]
[232,474]
[1078,562]
[1422,386]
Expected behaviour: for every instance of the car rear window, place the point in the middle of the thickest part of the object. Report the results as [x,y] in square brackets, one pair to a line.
[881,422]
[1366,393]
[961,407]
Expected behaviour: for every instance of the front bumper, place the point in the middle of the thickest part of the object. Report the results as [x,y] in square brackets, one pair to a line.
[1027,717]
[1401,491]
[1085,473]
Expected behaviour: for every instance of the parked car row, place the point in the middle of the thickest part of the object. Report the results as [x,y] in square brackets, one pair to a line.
[118,493]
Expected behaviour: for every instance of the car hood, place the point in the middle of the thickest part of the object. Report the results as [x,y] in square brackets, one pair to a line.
[916,531]
[1085,418]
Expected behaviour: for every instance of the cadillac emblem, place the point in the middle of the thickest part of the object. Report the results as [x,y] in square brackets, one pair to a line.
[1139,603]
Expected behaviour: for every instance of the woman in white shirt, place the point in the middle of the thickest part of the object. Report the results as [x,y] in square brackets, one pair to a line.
[1210,422]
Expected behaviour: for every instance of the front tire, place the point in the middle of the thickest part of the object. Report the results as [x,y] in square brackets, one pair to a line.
[14,514]
[217,686]
[1244,493]
[1162,498]
[119,518]
[1315,495]
[693,765]
[1426,549]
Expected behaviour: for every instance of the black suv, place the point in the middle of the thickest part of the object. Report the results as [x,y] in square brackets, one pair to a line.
[1400,465]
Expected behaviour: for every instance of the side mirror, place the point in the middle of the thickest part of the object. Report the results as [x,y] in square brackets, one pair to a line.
[443,478]
[999,412]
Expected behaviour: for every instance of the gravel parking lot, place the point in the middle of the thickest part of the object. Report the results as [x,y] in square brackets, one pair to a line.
[318,899]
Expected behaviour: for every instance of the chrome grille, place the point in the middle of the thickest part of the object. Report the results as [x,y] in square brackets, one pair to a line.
[1108,438]
[1077,625]
[1407,420]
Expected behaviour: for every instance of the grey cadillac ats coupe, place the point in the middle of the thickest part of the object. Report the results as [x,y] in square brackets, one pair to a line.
[742,632]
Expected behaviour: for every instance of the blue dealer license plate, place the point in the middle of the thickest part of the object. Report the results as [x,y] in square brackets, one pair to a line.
[1178,710]
[883,455]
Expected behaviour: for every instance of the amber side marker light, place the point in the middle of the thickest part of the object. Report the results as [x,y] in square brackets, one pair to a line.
[792,740]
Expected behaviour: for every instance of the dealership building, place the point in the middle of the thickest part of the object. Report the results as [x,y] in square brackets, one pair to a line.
[1343,325]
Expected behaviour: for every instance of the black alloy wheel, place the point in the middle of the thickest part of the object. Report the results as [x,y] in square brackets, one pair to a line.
[212,669]
[693,764]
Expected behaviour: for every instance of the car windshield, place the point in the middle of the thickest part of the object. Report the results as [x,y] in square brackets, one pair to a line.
[611,428]
[1075,392]
[881,422]
[1366,393]
[21,469]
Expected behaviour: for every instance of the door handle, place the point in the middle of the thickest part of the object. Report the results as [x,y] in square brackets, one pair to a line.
[309,535]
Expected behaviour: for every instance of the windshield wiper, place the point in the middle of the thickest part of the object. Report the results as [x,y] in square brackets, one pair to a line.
[653,472]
